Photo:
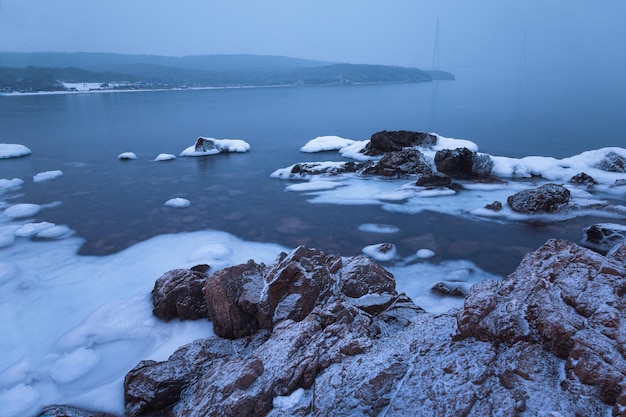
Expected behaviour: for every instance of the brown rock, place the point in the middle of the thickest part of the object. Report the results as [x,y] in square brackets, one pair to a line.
[178,294]
[548,198]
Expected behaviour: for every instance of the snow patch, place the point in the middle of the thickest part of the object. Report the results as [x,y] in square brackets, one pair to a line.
[220,145]
[381,252]
[47,176]
[22,211]
[127,156]
[165,157]
[74,365]
[424,254]
[326,143]
[7,185]
[12,150]
[378,228]
[178,202]
[314,186]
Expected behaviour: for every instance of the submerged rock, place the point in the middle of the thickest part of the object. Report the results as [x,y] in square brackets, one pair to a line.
[603,236]
[391,141]
[583,179]
[548,339]
[463,163]
[548,198]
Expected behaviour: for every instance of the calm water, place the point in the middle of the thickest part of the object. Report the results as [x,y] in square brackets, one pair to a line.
[113,204]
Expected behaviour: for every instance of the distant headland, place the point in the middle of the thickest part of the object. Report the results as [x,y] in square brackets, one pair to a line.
[83,71]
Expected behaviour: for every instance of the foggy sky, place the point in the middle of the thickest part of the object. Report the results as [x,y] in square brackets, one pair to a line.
[558,33]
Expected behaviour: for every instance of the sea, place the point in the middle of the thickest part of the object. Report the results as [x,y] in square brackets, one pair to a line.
[116,208]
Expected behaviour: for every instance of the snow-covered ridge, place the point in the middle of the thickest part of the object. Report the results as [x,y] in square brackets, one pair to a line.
[339,182]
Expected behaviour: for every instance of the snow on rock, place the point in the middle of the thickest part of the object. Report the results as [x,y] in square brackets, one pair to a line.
[127,156]
[7,185]
[11,150]
[378,228]
[212,146]
[178,202]
[424,254]
[47,175]
[326,143]
[603,236]
[382,252]
[22,211]
[546,338]
[165,157]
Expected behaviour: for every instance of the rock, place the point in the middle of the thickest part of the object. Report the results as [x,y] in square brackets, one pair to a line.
[204,145]
[442,288]
[548,339]
[583,179]
[620,182]
[612,162]
[400,163]
[390,141]
[548,198]
[178,294]
[603,236]
[566,299]
[436,179]
[495,206]
[463,163]
[68,411]
[318,168]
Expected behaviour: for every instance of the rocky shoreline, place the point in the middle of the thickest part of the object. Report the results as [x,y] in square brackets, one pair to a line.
[318,334]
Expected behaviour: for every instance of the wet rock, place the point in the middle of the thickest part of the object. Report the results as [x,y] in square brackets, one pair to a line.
[548,198]
[68,411]
[390,141]
[549,338]
[603,236]
[443,288]
[495,206]
[436,179]
[400,163]
[463,163]
[583,179]
[612,162]
[178,294]
[204,145]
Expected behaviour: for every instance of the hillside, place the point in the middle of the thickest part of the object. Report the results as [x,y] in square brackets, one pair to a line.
[51,71]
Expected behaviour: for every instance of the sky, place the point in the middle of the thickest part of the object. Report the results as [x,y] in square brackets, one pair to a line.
[473,33]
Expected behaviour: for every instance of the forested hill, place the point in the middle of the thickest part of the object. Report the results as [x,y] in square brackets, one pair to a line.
[48,71]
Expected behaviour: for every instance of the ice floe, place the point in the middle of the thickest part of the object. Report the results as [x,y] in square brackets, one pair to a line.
[378,228]
[314,186]
[424,254]
[211,146]
[596,180]
[13,150]
[22,211]
[178,202]
[7,185]
[127,156]
[47,175]
[165,157]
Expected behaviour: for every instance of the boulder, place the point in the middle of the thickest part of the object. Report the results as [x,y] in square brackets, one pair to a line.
[583,179]
[400,163]
[436,179]
[495,206]
[546,340]
[603,236]
[178,294]
[204,145]
[390,141]
[612,162]
[548,198]
[68,411]
[463,163]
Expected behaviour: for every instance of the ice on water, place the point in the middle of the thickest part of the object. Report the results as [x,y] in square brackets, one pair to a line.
[47,175]
[178,202]
[13,150]
[165,157]
[470,198]
[221,145]
[326,143]
[127,156]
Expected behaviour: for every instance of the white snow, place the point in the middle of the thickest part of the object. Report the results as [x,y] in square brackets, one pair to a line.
[378,228]
[165,157]
[314,186]
[31,229]
[469,198]
[74,365]
[54,232]
[353,151]
[12,150]
[127,156]
[381,252]
[178,202]
[286,402]
[22,211]
[424,254]
[326,143]
[221,145]
[7,185]
[47,176]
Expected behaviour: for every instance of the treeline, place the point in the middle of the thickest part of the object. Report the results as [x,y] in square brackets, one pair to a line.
[229,71]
